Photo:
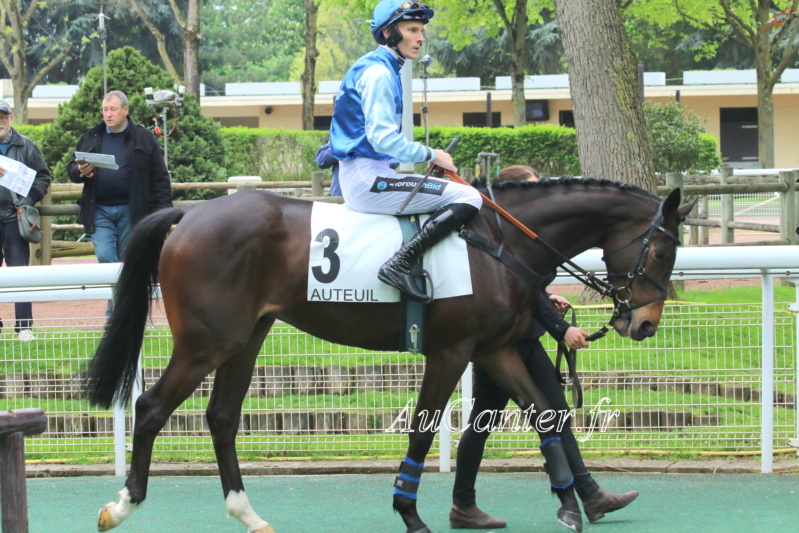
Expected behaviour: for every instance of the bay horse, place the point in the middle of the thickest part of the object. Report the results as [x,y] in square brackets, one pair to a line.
[232,267]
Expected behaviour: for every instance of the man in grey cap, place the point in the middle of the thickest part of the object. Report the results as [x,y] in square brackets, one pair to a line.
[13,248]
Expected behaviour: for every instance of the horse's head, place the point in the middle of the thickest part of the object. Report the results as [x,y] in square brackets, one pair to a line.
[639,262]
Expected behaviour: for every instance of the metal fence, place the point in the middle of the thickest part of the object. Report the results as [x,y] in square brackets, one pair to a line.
[695,385]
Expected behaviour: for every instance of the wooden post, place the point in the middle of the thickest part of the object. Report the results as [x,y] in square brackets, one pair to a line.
[788,207]
[704,234]
[675,181]
[14,426]
[245,187]
[727,209]
[317,186]
[42,254]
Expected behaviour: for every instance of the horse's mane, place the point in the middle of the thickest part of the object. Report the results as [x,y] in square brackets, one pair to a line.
[565,181]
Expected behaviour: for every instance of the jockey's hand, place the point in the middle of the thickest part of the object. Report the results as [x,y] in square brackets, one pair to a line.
[444,161]
[575,338]
[560,303]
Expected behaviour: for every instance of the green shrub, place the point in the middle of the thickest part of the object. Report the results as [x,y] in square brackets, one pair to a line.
[678,139]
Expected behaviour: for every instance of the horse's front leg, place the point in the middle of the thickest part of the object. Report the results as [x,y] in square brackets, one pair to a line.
[442,371]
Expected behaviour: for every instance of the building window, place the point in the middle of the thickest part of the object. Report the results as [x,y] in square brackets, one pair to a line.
[479,120]
[536,110]
[566,118]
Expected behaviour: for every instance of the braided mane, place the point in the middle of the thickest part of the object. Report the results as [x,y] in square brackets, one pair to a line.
[566,181]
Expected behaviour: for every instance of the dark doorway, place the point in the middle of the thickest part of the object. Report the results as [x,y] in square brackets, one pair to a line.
[738,133]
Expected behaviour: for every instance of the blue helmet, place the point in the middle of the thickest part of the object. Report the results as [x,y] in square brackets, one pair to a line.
[387,12]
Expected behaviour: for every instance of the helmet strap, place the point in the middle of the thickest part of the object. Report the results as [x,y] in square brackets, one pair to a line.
[394,38]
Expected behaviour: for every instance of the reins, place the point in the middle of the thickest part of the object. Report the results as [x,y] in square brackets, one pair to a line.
[589,279]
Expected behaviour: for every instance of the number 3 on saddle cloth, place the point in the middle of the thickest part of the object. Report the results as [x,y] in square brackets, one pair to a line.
[347,248]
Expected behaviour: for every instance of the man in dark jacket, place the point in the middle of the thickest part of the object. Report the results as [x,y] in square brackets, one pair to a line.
[114,200]
[13,248]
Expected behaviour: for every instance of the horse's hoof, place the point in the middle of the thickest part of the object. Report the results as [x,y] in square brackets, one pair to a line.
[425,529]
[570,519]
[265,529]
[105,521]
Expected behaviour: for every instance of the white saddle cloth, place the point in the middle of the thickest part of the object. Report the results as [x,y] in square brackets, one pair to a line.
[348,248]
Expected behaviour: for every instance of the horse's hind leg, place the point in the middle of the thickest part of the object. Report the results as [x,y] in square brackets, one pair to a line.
[180,378]
[224,411]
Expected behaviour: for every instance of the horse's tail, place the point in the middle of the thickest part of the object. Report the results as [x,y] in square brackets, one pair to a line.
[112,370]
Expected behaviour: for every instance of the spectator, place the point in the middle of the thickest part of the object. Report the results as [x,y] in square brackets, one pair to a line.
[13,248]
[115,200]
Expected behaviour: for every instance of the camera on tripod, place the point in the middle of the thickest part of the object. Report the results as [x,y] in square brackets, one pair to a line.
[163,97]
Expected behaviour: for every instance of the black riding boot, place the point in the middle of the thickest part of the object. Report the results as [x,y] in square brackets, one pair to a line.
[397,270]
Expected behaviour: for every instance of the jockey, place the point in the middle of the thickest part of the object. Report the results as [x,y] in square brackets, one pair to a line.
[366,137]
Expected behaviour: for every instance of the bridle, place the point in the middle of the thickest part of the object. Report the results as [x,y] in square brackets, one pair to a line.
[622,296]
[639,269]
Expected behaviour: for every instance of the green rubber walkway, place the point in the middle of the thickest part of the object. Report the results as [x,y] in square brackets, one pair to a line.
[724,503]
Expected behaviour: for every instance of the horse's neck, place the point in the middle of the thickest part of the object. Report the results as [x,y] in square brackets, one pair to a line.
[571,222]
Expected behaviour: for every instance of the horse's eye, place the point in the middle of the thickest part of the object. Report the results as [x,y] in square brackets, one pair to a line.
[660,256]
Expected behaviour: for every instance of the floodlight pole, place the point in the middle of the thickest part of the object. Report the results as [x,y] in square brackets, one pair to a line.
[103,35]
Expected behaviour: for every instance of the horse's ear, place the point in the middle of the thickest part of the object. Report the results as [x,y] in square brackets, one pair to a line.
[672,207]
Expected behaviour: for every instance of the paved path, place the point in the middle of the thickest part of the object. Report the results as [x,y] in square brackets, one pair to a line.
[728,503]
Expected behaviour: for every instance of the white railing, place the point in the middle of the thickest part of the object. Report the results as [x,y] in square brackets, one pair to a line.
[95,281]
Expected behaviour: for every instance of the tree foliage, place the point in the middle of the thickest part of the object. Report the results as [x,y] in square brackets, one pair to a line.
[195,148]
[250,41]
[37,37]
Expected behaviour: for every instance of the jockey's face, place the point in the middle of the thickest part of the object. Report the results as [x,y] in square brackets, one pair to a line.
[412,38]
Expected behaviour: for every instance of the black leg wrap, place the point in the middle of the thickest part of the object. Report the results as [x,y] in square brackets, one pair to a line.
[557,466]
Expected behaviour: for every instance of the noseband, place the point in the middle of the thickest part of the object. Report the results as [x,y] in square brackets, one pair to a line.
[639,269]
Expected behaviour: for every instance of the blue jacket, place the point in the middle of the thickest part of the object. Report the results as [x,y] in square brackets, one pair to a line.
[367,117]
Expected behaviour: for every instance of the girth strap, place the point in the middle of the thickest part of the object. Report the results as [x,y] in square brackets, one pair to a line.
[499,253]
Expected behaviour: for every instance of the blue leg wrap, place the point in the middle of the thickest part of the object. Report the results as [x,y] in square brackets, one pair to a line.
[557,466]
[407,482]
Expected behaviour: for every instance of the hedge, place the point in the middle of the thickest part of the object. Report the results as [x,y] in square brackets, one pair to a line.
[284,155]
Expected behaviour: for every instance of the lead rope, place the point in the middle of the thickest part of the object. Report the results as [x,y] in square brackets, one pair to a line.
[570,356]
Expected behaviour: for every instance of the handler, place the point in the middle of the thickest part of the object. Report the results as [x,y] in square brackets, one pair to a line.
[366,137]
[547,317]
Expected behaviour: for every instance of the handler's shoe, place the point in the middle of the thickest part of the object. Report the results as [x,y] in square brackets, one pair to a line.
[601,502]
[473,518]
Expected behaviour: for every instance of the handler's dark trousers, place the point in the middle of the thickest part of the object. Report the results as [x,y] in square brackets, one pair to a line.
[489,397]
[16,252]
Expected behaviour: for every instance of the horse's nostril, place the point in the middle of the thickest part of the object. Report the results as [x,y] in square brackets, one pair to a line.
[648,328]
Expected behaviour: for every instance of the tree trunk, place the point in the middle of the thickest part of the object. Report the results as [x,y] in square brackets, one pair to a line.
[611,132]
[191,47]
[766,78]
[160,40]
[517,31]
[308,77]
